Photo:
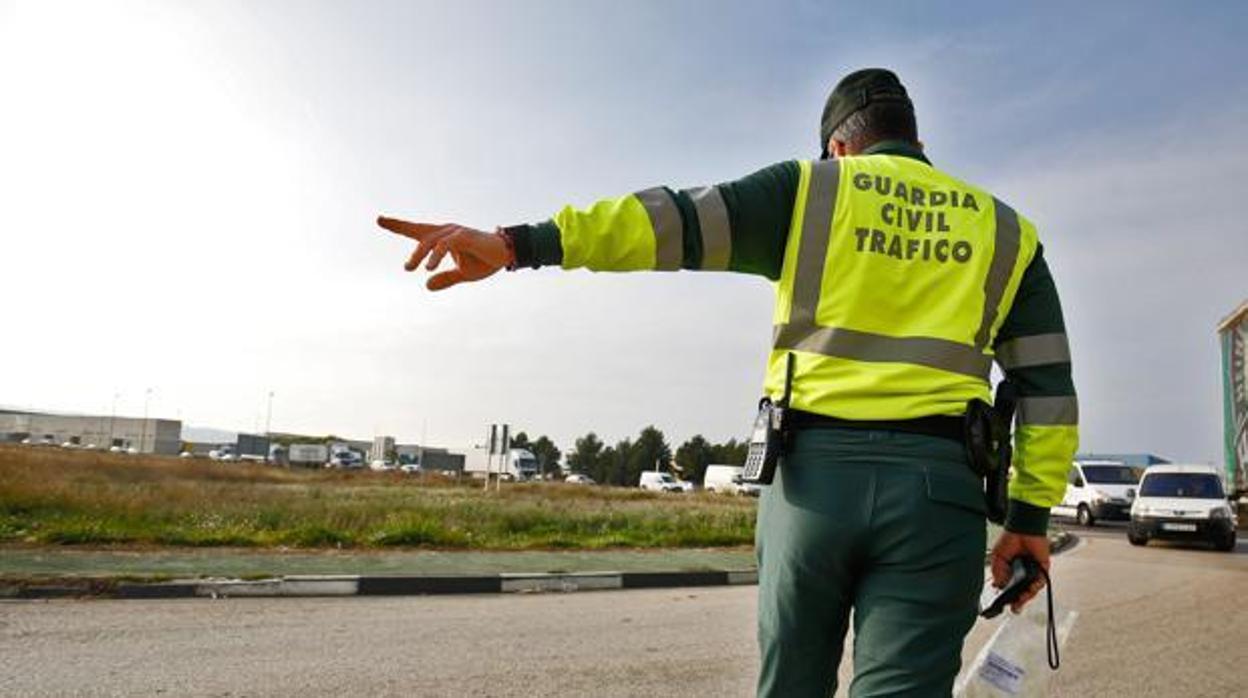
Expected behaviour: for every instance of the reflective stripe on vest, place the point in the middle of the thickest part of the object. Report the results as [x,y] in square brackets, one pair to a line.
[666,222]
[715,227]
[1004,256]
[1036,350]
[802,333]
[1048,411]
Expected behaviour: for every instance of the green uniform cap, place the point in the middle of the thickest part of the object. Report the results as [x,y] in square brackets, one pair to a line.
[855,91]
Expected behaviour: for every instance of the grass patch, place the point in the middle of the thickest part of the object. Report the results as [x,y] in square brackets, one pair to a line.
[60,497]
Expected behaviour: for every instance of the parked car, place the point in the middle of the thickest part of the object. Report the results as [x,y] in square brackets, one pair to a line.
[115,449]
[382,466]
[1183,502]
[410,468]
[579,479]
[186,454]
[726,479]
[1098,490]
[654,481]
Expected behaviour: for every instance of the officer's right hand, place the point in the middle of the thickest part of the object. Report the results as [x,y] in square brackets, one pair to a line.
[477,254]
[1009,546]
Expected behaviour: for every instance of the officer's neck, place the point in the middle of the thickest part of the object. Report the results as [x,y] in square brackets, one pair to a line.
[903,149]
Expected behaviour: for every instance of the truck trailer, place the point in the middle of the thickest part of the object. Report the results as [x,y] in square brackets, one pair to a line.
[516,464]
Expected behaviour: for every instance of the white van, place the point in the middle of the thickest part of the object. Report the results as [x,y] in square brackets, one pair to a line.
[655,481]
[727,479]
[1098,489]
[1183,502]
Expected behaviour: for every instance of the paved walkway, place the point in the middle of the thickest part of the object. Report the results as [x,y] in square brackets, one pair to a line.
[217,562]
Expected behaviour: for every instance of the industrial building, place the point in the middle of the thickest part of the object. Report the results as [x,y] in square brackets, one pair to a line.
[1135,460]
[162,436]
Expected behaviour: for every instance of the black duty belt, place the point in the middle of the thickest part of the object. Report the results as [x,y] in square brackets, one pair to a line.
[943,426]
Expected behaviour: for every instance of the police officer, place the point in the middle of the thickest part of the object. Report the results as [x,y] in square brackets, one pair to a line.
[897,287]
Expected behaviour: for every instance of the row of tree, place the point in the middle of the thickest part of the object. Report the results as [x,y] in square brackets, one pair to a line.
[623,462]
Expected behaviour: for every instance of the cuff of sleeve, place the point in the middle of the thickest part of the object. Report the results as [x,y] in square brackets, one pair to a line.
[1027,519]
[536,245]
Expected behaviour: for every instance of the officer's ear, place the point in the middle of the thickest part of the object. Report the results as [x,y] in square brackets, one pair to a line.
[837,148]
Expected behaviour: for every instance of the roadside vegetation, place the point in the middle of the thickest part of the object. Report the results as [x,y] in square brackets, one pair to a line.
[51,496]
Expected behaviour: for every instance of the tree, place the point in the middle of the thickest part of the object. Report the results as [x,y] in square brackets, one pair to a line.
[547,454]
[615,464]
[521,440]
[693,456]
[603,466]
[649,452]
[585,456]
[731,453]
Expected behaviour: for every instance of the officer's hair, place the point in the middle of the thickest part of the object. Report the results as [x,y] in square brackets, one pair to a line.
[883,121]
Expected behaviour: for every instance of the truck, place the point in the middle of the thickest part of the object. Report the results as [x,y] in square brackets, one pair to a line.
[516,464]
[314,455]
[1233,338]
[342,456]
[252,447]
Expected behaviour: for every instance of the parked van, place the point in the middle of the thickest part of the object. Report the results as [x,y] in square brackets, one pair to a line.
[727,479]
[655,481]
[1184,502]
[1098,490]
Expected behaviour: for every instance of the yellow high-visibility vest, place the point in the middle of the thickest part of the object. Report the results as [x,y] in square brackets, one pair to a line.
[895,281]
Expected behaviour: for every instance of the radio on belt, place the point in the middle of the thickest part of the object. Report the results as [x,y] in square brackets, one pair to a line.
[767,438]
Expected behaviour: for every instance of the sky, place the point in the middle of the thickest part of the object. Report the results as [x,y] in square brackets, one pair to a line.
[188,190]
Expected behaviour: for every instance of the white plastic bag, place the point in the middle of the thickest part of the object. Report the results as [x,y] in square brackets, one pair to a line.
[1014,662]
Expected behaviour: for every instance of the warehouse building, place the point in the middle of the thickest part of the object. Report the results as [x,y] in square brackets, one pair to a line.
[162,436]
[1135,460]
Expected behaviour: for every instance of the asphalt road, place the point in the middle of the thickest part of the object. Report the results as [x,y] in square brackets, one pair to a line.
[1160,621]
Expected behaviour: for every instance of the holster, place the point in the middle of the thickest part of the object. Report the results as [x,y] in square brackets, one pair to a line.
[989,446]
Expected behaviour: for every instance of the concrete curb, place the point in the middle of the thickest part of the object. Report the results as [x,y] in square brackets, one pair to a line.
[411,585]
[416,585]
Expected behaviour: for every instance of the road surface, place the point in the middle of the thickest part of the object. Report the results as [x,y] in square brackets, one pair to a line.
[1160,621]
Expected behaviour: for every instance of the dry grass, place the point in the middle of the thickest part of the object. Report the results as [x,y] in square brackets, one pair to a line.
[52,496]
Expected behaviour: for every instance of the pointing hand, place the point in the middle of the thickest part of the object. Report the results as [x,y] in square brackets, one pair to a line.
[476,254]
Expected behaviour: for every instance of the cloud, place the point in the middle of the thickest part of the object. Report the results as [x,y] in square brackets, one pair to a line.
[1144,234]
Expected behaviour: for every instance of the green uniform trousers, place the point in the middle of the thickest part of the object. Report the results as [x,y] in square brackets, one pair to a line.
[888,524]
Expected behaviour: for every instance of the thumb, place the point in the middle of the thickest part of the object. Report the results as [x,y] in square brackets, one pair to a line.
[445,279]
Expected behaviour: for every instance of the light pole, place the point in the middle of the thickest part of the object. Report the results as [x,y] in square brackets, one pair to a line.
[420,454]
[147,398]
[112,418]
[268,417]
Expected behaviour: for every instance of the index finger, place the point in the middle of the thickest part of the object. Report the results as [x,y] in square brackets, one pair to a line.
[408,229]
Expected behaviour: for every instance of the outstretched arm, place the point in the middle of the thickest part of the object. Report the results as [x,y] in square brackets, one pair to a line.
[738,226]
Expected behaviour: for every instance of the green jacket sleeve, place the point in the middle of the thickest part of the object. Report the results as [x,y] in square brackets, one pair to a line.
[737,226]
[1032,349]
